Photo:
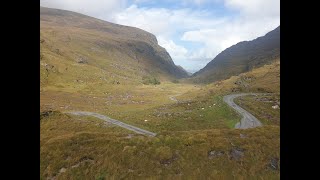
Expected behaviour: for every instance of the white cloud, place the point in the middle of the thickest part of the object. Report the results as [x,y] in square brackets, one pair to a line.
[97,8]
[261,8]
[181,2]
[169,24]
[140,1]
[175,51]
[252,18]
[257,17]
[196,2]
[151,20]
[164,22]
[227,34]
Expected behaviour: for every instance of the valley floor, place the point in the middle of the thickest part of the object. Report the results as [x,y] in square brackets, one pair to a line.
[195,131]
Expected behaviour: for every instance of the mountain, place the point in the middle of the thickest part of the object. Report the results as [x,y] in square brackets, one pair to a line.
[183,70]
[76,47]
[241,57]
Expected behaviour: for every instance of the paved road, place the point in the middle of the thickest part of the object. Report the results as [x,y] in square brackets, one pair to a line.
[248,120]
[173,97]
[113,121]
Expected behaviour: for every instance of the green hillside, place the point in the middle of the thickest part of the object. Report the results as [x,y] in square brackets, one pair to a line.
[121,72]
[73,46]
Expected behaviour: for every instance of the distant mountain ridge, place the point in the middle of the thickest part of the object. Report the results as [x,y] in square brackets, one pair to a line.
[241,57]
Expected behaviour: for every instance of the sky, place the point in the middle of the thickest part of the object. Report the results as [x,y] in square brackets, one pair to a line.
[192,31]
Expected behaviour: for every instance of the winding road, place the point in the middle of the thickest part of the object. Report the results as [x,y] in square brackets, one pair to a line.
[113,121]
[248,120]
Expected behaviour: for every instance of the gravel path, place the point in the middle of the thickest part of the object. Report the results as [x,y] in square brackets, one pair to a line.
[248,120]
[113,121]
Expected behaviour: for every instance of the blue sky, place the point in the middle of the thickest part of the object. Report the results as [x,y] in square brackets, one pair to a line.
[192,31]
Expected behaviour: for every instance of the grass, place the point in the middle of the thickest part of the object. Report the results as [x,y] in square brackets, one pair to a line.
[189,115]
[150,80]
[149,103]
[87,148]
[90,151]
[110,51]
[261,107]
[199,122]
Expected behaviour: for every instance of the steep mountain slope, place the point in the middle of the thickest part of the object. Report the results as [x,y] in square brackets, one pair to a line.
[76,47]
[183,70]
[241,57]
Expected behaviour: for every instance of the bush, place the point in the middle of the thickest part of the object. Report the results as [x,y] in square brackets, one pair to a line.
[150,80]
[175,81]
[101,176]
[163,153]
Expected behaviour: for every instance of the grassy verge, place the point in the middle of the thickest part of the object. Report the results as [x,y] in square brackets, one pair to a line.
[261,107]
[185,115]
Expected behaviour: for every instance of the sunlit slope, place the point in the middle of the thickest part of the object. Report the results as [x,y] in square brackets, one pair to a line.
[75,48]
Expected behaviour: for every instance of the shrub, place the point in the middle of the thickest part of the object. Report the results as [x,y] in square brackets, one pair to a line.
[163,153]
[175,81]
[150,80]
[101,176]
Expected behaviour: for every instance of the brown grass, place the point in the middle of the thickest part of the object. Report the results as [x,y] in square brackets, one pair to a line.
[86,148]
